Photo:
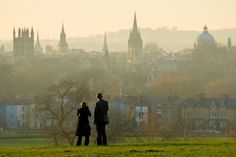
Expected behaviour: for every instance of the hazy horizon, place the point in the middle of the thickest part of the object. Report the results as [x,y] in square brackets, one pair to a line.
[89,17]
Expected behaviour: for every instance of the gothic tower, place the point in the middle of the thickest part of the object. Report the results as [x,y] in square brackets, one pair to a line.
[135,44]
[38,48]
[23,44]
[63,46]
[105,49]
[106,53]
[229,43]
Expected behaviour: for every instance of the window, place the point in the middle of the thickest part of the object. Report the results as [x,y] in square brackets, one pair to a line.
[141,111]
[159,108]
[212,114]
[140,115]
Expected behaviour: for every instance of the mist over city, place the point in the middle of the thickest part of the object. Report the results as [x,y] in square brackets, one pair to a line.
[134,77]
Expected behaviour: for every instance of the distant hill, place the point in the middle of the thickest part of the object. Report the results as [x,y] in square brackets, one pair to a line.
[167,39]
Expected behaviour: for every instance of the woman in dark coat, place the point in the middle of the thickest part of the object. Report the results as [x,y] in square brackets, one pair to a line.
[83,128]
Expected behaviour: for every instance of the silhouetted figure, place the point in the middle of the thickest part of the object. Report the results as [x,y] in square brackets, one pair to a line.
[83,128]
[100,112]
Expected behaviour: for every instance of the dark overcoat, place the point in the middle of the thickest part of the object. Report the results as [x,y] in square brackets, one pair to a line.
[100,111]
[83,128]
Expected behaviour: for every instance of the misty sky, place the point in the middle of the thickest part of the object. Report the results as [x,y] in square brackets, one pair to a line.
[89,17]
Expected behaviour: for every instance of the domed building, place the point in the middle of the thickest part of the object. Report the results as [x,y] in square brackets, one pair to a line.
[205,40]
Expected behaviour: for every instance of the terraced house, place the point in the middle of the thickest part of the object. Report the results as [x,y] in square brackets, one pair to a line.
[199,115]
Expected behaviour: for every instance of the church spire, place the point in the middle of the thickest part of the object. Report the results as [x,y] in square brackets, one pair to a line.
[135,44]
[62,29]
[205,29]
[63,46]
[105,49]
[38,47]
[135,26]
[229,44]
[14,33]
[32,33]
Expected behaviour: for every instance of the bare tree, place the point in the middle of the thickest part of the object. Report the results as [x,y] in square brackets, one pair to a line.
[122,123]
[58,108]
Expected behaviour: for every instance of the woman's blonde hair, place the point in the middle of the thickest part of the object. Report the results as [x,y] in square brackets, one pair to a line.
[83,104]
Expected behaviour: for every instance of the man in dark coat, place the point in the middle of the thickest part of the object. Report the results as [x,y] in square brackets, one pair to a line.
[83,128]
[100,114]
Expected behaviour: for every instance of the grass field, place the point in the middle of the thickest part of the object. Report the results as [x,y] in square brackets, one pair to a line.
[191,147]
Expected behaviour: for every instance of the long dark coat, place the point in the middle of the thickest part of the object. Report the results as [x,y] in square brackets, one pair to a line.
[100,111]
[83,128]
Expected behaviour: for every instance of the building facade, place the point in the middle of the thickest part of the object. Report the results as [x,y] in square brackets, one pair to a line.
[206,115]
[19,114]
[199,115]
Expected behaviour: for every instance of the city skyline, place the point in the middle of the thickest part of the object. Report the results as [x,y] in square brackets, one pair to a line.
[85,18]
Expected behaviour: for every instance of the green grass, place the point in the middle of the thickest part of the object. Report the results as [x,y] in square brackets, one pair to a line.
[191,147]
[23,142]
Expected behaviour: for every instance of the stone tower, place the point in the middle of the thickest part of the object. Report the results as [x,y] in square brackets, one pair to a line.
[106,53]
[23,44]
[229,43]
[105,48]
[38,48]
[63,46]
[135,44]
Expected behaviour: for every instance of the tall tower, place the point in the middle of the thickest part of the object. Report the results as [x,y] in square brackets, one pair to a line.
[14,39]
[23,44]
[106,53]
[105,49]
[63,46]
[38,48]
[135,44]
[14,33]
[31,45]
[229,43]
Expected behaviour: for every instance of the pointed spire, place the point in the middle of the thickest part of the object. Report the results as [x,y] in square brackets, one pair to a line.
[135,26]
[22,32]
[205,29]
[105,49]
[135,44]
[63,43]
[14,33]
[32,33]
[62,29]
[229,44]
[19,33]
[38,48]
[27,32]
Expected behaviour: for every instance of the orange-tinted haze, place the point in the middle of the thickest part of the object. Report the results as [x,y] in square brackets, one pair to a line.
[86,17]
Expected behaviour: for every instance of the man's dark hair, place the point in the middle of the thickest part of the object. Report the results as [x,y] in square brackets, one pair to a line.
[99,95]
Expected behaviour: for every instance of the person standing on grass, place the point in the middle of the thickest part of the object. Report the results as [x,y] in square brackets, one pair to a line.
[83,128]
[100,114]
